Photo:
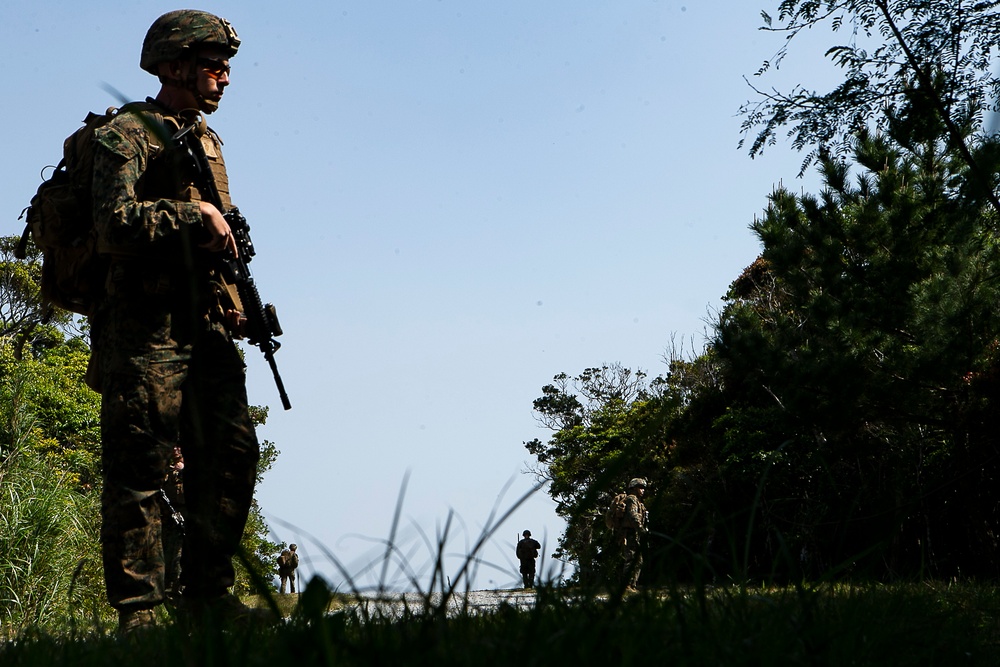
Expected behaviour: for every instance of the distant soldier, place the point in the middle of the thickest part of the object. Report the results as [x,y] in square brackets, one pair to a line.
[628,518]
[527,552]
[288,561]
[580,532]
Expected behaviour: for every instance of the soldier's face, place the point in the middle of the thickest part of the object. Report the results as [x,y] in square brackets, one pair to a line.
[212,75]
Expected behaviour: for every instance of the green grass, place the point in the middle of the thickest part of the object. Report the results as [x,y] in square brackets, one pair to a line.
[906,624]
[931,623]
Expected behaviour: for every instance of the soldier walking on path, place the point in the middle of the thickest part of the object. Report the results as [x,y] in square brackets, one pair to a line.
[628,518]
[527,552]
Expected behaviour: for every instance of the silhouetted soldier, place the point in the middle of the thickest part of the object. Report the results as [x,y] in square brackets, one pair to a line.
[527,552]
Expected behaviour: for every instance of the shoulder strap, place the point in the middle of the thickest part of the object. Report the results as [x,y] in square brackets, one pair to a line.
[156,111]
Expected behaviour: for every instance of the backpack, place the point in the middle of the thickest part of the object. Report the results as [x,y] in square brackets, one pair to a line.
[614,517]
[60,220]
[526,549]
[284,558]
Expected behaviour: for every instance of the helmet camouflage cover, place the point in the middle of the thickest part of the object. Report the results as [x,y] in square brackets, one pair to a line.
[172,35]
[637,481]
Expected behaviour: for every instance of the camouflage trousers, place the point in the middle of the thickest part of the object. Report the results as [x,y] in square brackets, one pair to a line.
[170,379]
[287,577]
[631,566]
[630,558]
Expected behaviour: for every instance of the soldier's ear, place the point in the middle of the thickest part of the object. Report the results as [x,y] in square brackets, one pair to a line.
[171,71]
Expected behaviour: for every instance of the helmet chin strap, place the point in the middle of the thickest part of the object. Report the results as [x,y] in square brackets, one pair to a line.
[190,83]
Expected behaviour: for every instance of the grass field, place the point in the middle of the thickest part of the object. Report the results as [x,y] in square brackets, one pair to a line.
[832,624]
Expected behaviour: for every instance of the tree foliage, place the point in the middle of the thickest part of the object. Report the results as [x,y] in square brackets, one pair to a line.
[609,424]
[850,350]
[256,572]
[942,50]
[49,503]
[842,416]
[25,322]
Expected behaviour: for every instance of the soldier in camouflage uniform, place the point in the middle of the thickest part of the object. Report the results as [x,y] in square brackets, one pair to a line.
[628,534]
[169,371]
[288,562]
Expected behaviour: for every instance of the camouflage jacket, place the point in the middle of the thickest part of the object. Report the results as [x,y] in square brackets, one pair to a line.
[144,199]
[635,514]
[288,561]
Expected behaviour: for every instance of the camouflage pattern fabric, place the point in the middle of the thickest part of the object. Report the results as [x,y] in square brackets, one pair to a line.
[634,525]
[173,34]
[145,205]
[287,578]
[635,514]
[169,375]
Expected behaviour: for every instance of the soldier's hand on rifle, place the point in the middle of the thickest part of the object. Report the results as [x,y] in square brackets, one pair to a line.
[220,236]
[236,323]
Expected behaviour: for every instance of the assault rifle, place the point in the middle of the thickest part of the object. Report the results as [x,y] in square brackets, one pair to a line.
[262,319]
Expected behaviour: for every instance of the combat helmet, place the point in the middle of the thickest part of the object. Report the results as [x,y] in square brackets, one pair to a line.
[636,481]
[172,35]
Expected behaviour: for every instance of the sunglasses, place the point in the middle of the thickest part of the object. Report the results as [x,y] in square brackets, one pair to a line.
[213,68]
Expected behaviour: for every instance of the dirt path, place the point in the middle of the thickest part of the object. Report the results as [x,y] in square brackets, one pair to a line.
[395,605]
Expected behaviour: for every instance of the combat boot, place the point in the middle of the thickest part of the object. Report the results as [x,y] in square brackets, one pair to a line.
[131,621]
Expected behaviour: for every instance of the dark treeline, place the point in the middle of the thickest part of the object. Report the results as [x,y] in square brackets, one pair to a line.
[842,417]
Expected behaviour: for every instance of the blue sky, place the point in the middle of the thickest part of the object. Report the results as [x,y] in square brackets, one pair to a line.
[452,202]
